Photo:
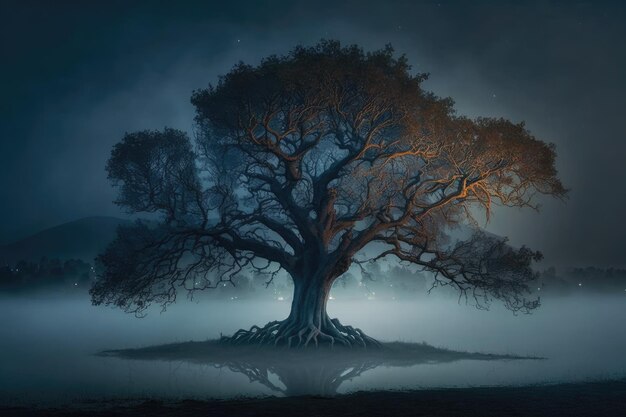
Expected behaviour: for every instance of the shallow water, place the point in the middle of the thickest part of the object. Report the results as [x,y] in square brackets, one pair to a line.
[48,346]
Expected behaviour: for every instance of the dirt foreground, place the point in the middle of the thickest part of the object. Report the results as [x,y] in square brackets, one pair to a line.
[606,398]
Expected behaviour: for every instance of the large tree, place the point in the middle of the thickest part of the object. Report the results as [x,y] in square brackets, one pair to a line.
[308,163]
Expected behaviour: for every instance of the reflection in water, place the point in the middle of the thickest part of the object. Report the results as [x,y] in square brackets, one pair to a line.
[306,378]
[303,371]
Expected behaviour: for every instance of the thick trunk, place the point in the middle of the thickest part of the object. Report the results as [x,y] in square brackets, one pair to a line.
[307,323]
[308,306]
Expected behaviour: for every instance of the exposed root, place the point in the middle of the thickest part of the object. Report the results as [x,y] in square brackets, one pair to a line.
[293,334]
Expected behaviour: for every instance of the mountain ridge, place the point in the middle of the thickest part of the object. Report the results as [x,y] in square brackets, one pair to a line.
[83,239]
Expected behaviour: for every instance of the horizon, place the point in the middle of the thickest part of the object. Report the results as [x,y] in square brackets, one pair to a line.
[540,266]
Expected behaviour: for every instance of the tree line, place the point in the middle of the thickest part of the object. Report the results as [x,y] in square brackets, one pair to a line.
[47,272]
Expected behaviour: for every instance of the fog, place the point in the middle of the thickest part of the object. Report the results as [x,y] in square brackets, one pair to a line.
[49,345]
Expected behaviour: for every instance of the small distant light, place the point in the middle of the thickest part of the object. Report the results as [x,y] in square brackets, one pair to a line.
[331,298]
[580,284]
[538,289]
[280,298]
[76,283]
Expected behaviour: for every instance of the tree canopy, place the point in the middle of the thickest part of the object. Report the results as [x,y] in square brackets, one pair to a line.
[312,161]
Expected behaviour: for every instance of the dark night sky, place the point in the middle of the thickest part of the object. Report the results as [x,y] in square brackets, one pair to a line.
[75,77]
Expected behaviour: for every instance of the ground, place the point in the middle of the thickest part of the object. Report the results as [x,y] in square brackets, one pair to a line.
[582,399]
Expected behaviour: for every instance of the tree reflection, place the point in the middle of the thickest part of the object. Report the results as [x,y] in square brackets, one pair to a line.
[300,372]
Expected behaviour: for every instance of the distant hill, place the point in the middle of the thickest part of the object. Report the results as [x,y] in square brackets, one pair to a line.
[80,239]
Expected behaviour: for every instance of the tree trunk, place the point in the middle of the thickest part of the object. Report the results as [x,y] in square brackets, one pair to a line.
[308,322]
[310,297]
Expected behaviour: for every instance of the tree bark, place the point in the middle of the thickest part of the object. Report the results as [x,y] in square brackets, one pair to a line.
[310,297]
